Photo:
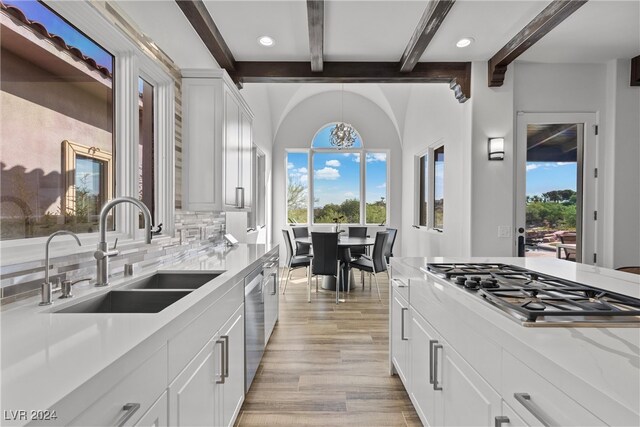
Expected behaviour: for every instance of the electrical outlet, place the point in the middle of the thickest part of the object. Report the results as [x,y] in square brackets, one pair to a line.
[504,231]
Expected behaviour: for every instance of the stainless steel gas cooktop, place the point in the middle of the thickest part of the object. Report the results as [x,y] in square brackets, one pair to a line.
[536,299]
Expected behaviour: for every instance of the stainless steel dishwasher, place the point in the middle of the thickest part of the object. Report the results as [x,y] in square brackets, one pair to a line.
[253,323]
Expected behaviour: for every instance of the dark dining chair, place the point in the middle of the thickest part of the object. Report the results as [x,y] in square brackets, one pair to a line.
[325,261]
[293,261]
[301,248]
[373,264]
[388,248]
[357,251]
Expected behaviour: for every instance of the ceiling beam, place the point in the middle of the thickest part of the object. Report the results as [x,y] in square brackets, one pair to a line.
[432,17]
[635,71]
[456,74]
[552,15]
[201,21]
[315,17]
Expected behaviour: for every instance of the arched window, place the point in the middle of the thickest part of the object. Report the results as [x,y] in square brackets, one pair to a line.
[338,181]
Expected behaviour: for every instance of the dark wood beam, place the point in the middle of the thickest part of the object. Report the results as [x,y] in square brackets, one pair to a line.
[556,12]
[457,74]
[635,71]
[201,21]
[431,19]
[315,16]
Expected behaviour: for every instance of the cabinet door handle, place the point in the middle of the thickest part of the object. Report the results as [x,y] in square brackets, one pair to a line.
[130,409]
[436,386]
[275,283]
[400,283]
[222,364]
[226,355]
[431,343]
[525,400]
[501,419]
[402,311]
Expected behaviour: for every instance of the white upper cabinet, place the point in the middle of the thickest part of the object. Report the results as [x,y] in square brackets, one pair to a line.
[217,143]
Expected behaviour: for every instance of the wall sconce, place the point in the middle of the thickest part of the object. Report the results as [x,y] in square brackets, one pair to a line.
[496,148]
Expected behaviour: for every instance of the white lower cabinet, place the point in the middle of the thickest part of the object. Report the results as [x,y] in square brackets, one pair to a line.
[210,390]
[446,390]
[399,338]
[157,415]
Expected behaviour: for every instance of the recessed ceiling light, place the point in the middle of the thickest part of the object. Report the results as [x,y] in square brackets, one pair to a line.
[464,42]
[266,41]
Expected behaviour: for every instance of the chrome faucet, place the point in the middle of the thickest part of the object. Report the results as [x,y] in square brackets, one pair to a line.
[103,253]
[47,286]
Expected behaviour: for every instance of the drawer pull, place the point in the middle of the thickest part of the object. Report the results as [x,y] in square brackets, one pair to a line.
[436,386]
[222,361]
[402,311]
[501,419]
[431,343]
[226,355]
[130,409]
[525,400]
[275,283]
[400,283]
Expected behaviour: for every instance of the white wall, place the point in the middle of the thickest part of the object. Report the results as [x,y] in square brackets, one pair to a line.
[433,114]
[300,125]
[622,238]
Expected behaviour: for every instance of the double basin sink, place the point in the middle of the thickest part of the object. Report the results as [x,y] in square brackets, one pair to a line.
[146,295]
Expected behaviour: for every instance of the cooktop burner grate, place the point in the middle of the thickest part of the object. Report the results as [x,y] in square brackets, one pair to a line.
[535,297]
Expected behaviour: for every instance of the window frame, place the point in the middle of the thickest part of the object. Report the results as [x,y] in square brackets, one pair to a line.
[429,153]
[130,62]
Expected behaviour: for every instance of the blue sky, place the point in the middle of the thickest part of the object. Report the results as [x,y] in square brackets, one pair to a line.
[546,176]
[337,175]
[35,11]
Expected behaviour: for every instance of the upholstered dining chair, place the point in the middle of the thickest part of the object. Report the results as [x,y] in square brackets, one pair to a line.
[376,263]
[301,248]
[325,261]
[293,261]
[357,251]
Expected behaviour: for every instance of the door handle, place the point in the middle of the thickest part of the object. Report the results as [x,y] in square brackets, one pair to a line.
[436,386]
[525,400]
[402,311]
[222,361]
[521,246]
[130,409]
[501,419]
[431,343]
[275,283]
[226,355]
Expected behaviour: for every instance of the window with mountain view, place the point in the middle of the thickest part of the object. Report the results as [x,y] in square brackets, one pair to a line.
[336,188]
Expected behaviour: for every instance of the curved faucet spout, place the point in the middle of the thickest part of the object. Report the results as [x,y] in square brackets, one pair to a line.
[46,286]
[107,207]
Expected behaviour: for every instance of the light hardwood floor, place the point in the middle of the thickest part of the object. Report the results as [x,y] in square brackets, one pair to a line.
[327,364]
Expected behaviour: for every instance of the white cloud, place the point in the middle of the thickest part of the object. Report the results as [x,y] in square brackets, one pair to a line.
[547,165]
[333,163]
[328,173]
[303,178]
[349,194]
[376,157]
[383,185]
[356,158]
[302,170]
[289,165]
[532,166]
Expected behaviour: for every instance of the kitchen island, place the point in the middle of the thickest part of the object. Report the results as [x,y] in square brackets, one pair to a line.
[130,368]
[465,361]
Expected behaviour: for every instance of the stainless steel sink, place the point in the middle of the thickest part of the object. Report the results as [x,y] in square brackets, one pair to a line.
[173,281]
[127,301]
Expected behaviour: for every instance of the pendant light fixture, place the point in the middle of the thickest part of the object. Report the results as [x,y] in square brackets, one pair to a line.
[342,135]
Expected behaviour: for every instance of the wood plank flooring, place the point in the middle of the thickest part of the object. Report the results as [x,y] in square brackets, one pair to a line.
[327,364]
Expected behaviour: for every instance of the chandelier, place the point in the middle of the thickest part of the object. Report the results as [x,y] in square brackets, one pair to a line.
[342,135]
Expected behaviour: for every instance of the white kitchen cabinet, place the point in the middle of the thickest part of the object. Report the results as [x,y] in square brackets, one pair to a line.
[399,337]
[157,415]
[422,393]
[217,142]
[232,333]
[195,394]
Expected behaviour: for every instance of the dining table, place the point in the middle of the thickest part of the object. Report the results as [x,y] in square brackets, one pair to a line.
[344,243]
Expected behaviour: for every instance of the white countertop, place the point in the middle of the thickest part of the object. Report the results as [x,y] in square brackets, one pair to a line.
[606,361]
[46,355]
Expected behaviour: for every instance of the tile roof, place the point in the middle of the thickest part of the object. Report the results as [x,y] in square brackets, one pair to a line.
[41,30]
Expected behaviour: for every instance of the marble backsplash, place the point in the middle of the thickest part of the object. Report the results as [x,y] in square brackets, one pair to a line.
[195,232]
